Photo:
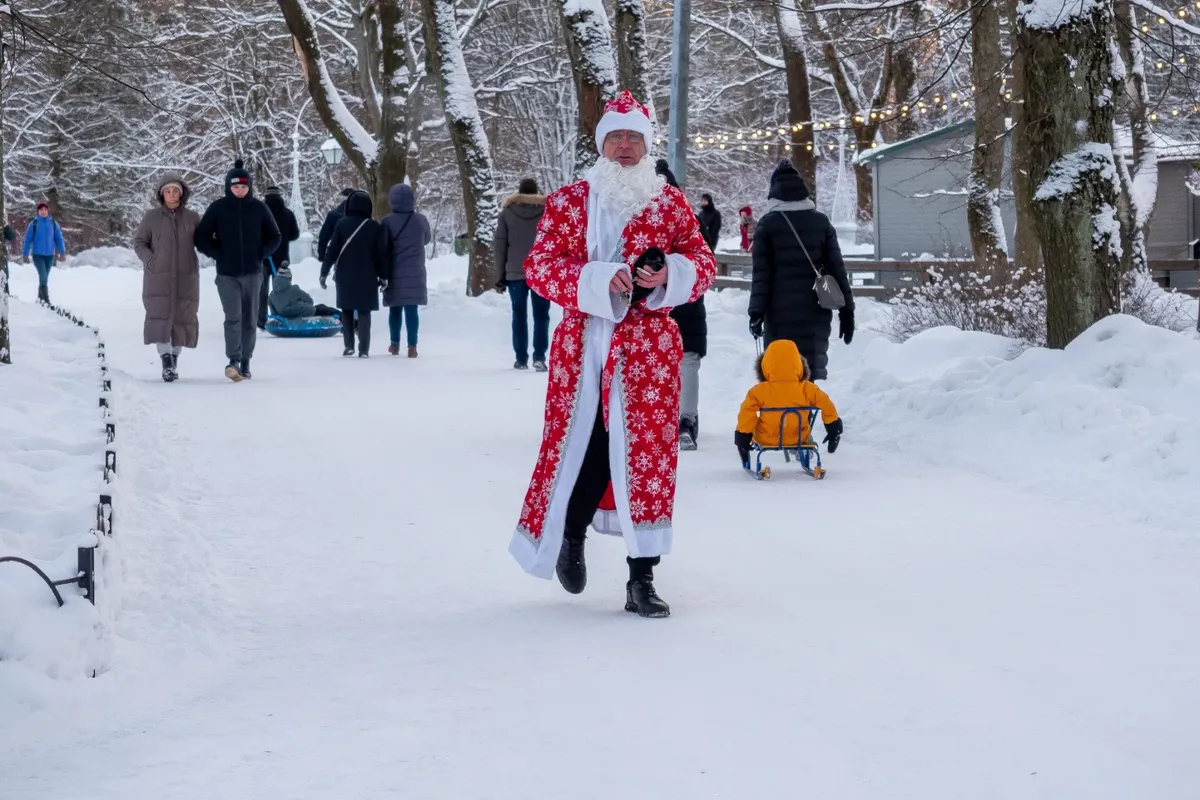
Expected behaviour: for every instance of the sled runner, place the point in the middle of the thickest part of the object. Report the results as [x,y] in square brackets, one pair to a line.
[806,453]
[304,327]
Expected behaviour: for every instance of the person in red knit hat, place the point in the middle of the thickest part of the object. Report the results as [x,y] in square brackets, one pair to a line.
[617,251]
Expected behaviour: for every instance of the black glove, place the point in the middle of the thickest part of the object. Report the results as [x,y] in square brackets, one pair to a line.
[653,259]
[324,285]
[833,434]
[845,326]
[502,285]
[742,442]
[756,327]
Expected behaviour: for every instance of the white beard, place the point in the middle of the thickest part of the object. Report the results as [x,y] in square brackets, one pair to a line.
[624,191]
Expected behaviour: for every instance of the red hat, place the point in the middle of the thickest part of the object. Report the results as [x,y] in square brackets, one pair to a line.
[42,204]
[624,113]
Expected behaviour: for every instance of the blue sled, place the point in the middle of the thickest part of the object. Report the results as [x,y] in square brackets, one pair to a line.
[303,327]
[806,453]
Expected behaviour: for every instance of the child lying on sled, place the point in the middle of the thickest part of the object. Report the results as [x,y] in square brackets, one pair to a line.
[783,383]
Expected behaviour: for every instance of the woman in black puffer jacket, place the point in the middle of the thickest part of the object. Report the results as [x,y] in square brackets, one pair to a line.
[783,302]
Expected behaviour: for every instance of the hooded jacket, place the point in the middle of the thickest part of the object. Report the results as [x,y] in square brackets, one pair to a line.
[403,235]
[288,300]
[355,253]
[239,234]
[289,231]
[710,225]
[784,382]
[515,234]
[781,291]
[165,244]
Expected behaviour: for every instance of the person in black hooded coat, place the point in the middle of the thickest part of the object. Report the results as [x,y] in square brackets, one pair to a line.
[360,270]
[335,215]
[692,320]
[285,220]
[783,302]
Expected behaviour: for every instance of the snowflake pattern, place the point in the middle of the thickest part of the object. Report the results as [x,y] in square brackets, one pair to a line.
[644,354]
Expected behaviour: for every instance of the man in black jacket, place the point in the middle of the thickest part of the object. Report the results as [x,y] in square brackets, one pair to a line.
[710,221]
[335,215]
[239,233]
[793,244]
[289,231]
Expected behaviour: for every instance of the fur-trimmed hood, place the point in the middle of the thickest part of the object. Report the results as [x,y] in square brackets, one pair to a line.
[524,199]
[783,363]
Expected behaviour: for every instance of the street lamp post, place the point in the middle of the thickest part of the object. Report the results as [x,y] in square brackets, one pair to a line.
[332,152]
[680,64]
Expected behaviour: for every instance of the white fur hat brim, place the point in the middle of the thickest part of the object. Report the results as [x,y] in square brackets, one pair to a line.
[628,121]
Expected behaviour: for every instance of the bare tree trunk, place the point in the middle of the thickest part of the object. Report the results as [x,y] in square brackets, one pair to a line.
[987,163]
[444,56]
[633,56]
[904,91]
[5,337]
[1140,183]
[1025,240]
[380,158]
[1068,73]
[589,45]
[804,147]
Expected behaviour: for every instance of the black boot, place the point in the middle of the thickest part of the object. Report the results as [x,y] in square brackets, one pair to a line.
[689,434]
[571,568]
[175,366]
[639,592]
[234,370]
[44,294]
[168,373]
[245,368]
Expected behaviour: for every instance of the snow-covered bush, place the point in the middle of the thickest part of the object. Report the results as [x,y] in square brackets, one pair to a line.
[1009,304]
[1141,297]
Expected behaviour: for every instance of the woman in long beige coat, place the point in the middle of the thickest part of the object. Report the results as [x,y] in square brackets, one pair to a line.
[171,273]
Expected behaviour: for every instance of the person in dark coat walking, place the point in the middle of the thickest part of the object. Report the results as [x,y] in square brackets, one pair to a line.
[710,221]
[692,320]
[285,220]
[402,238]
[514,239]
[335,215]
[783,302]
[355,253]
[239,233]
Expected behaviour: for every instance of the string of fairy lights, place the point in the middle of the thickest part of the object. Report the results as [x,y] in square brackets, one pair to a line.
[779,136]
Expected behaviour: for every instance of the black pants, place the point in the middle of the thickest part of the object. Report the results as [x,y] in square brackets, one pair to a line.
[363,324]
[589,489]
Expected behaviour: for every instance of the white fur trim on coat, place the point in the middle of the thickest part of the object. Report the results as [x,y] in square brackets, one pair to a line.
[681,278]
[593,294]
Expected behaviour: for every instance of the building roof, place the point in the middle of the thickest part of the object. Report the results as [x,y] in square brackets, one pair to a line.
[1167,147]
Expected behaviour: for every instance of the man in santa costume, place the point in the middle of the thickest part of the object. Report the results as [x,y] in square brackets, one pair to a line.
[617,251]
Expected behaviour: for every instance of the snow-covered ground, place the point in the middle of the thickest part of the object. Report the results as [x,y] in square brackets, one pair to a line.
[993,594]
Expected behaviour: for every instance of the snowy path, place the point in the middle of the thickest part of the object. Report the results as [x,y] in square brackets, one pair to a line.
[319,604]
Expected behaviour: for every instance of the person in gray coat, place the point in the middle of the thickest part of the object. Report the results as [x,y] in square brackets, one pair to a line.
[288,300]
[514,239]
[403,235]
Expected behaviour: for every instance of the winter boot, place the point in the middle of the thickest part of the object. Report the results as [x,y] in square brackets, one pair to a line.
[364,354]
[571,568]
[44,294]
[175,366]
[640,596]
[687,434]
[168,372]
[349,351]
[412,352]
[393,349]
[245,369]
[234,371]
[520,365]
[539,366]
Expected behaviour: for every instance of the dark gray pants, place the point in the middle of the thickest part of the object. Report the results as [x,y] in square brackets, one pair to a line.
[239,299]
[363,324]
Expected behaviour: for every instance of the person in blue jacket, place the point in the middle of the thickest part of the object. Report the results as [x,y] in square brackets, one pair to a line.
[44,240]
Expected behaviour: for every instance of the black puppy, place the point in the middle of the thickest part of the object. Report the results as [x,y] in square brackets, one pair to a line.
[653,259]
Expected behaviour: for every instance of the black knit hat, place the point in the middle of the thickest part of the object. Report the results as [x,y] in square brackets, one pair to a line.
[528,186]
[786,183]
[663,168]
[238,176]
[275,190]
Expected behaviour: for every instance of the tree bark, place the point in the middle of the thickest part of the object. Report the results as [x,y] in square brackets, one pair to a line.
[633,51]
[444,56]
[395,83]
[804,146]
[987,163]
[589,46]
[1070,103]
[1140,182]
[5,336]
[1027,258]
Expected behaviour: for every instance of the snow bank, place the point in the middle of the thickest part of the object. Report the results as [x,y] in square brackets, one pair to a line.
[52,446]
[1118,407]
[104,258]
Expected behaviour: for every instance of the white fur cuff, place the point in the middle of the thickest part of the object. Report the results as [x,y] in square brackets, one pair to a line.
[593,294]
[681,279]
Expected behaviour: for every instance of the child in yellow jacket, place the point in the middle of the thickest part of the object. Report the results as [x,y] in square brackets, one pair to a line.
[783,383]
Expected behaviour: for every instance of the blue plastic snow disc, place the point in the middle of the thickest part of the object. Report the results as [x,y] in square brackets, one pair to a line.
[303,327]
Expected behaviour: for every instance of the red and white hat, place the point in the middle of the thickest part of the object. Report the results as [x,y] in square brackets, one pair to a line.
[623,113]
